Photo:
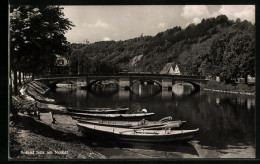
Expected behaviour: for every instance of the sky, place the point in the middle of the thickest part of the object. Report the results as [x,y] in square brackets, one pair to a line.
[104,23]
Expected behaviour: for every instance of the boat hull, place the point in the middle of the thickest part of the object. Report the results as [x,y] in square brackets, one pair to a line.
[124,117]
[136,124]
[157,139]
[130,135]
[99,110]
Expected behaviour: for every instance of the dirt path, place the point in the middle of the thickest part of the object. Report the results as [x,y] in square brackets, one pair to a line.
[33,139]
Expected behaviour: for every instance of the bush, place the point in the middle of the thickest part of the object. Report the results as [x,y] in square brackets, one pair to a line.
[212,84]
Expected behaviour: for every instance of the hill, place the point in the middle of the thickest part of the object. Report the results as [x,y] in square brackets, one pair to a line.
[215,46]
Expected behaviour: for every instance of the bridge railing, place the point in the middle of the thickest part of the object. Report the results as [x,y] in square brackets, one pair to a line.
[122,74]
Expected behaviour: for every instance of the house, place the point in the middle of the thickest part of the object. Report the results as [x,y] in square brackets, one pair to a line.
[61,66]
[61,61]
[240,80]
[250,79]
[218,78]
[175,69]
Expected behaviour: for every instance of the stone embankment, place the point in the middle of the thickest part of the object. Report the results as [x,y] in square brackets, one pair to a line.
[233,92]
[243,89]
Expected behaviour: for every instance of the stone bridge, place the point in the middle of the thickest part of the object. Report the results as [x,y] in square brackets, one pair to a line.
[125,80]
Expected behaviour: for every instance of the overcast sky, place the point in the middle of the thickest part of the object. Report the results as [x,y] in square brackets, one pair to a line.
[101,23]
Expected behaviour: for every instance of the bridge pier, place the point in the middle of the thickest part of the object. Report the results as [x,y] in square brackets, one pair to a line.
[167,84]
[124,82]
[82,83]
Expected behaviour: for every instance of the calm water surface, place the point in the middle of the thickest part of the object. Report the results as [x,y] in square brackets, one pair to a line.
[226,121]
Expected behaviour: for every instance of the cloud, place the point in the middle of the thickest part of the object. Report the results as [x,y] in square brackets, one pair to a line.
[160,25]
[106,39]
[98,24]
[196,13]
[196,20]
[244,12]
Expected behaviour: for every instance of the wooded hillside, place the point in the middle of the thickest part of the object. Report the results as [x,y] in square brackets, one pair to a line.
[216,46]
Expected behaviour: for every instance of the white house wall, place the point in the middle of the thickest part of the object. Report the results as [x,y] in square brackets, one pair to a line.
[177,71]
[171,71]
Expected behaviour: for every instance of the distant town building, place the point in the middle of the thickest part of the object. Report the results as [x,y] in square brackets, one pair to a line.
[240,80]
[174,69]
[250,79]
[61,66]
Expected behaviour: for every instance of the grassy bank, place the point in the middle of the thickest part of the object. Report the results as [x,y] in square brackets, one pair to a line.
[229,88]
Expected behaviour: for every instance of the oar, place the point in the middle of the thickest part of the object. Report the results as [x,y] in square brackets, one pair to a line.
[127,131]
[154,132]
[165,119]
[144,126]
[139,132]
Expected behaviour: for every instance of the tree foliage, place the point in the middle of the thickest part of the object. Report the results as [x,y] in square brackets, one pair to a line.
[36,35]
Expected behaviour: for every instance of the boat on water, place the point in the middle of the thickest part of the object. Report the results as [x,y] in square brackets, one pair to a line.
[138,135]
[166,122]
[98,110]
[135,116]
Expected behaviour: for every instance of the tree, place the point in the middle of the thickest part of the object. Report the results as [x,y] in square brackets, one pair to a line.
[36,35]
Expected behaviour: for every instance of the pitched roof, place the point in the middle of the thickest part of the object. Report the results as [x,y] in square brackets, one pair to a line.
[182,67]
[166,68]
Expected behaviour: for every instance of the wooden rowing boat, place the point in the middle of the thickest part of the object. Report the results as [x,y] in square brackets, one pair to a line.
[138,135]
[98,110]
[136,116]
[143,124]
[31,92]
[45,108]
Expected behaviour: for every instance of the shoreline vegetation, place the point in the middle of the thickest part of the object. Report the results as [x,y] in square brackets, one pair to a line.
[242,89]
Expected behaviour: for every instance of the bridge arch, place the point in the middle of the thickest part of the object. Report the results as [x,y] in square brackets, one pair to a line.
[53,83]
[91,83]
[196,85]
[145,80]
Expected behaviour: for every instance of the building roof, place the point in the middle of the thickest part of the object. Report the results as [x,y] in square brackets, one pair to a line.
[182,67]
[166,68]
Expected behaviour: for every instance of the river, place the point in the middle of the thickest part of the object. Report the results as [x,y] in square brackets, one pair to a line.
[226,121]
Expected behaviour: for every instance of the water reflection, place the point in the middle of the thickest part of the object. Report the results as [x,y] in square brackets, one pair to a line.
[250,103]
[217,100]
[123,95]
[226,121]
[181,89]
[155,150]
[145,90]
[166,95]
[117,149]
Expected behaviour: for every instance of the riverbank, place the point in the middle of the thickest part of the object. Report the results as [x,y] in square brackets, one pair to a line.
[34,137]
[242,89]
[45,140]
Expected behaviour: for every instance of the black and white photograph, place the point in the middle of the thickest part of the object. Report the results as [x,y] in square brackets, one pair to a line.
[95,82]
